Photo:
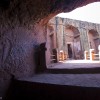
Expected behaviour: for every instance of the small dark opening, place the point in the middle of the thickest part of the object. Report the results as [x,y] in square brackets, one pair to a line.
[69,50]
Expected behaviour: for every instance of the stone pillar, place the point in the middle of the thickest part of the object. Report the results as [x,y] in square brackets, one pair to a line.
[99,51]
[91,54]
[86,55]
[65,56]
[61,55]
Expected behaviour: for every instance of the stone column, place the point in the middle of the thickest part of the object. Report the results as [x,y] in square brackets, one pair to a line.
[91,54]
[86,55]
[61,55]
[99,51]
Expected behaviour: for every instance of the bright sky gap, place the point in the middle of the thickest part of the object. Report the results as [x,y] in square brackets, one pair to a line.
[89,13]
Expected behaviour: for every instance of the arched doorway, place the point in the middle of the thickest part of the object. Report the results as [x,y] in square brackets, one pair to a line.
[94,40]
[73,42]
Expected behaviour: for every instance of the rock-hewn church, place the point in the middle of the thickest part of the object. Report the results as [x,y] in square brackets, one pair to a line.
[72,36]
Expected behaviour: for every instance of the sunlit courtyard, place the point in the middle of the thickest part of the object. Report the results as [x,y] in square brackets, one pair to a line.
[73,64]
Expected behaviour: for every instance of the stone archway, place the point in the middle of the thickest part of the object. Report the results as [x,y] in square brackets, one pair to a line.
[94,40]
[73,38]
[22,23]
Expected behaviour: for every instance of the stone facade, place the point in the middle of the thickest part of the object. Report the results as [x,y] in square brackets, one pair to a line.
[80,35]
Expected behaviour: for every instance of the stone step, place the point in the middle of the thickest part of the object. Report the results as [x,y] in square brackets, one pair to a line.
[26,90]
[73,71]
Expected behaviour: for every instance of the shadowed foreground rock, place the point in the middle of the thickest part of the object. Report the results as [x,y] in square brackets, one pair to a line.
[58,87]
[22,28]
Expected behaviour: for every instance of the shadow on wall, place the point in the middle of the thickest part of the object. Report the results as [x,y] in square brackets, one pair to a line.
[4,3]
[44,91]
[39,57]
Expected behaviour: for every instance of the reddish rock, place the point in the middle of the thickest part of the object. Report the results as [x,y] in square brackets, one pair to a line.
[22,27]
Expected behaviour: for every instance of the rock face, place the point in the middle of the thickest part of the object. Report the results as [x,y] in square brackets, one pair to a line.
[22,28]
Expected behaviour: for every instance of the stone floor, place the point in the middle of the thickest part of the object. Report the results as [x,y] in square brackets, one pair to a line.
[84,80]
[72,64]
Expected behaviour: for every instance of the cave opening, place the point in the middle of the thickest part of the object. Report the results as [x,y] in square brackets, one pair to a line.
[76,33]
[23,41]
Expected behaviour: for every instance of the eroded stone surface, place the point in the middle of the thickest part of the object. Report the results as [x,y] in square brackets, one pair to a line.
[22,27]
[83,80]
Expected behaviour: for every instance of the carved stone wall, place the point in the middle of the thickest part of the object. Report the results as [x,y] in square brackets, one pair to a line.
[22,28]
[81,28]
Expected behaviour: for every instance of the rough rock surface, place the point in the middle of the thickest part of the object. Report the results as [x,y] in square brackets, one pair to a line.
[22,27]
